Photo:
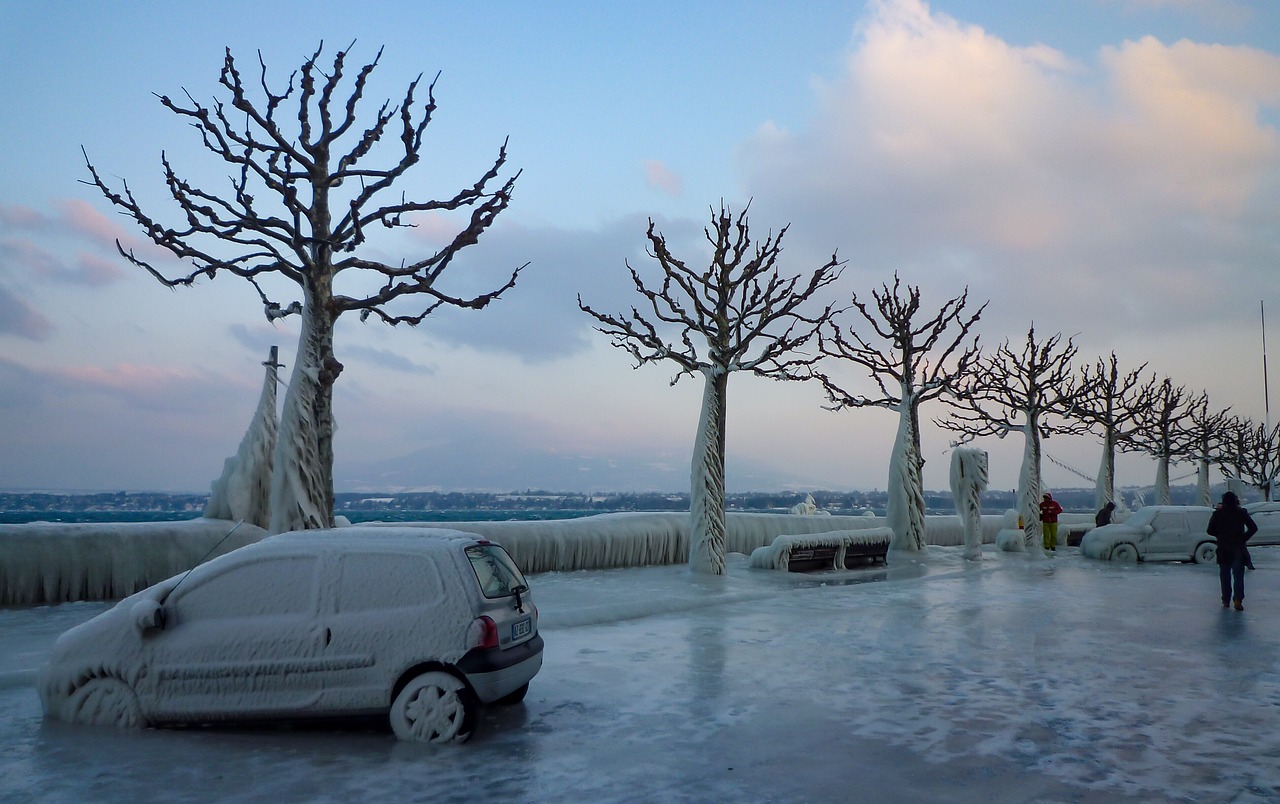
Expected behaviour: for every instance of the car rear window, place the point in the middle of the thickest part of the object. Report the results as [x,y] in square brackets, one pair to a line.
[496,572]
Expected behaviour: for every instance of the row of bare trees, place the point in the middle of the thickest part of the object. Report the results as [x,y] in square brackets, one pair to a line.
[740,314]
[307,185]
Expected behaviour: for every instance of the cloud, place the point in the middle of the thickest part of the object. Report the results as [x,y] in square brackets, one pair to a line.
[661,177]
[18,318]
[1119,193]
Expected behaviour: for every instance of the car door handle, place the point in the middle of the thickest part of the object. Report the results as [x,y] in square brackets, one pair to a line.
[328,637]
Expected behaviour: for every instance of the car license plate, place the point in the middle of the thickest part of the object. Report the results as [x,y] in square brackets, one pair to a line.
[521,629]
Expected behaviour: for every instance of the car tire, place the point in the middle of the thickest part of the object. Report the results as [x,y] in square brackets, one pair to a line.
[1206,553]
[1125,553]
[105,702]
[515,696]
[434,707]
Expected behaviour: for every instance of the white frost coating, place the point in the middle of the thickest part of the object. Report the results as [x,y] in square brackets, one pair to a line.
[219,673]
[905,507]
[1011,538]
[1161,490]
[608,541]
[49,562]
[1029,493]
[777,554]
[244,489]
[297,489]
[968,481]
[1203,496]
[1104,486]
[808,508]
[706,498]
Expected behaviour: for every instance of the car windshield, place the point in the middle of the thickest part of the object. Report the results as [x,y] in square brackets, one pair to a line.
[496,572]
[1144,516]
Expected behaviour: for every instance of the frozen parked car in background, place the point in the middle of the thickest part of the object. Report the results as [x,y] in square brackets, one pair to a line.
[1155,533]
[1266,515]
[418,625]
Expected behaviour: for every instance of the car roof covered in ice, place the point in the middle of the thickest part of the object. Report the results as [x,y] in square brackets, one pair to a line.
[357,537]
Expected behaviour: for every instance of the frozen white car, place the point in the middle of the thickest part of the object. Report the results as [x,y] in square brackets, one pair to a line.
[1155,533]
[418,624]
[1266,515]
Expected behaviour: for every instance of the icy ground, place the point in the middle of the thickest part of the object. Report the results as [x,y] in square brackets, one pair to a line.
[1012,680]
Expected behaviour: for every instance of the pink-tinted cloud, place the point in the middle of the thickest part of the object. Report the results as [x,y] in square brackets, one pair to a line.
[661,177]
[96,270]
[87,221]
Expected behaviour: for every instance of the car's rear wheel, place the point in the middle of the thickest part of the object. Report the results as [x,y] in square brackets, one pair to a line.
[434,707]
[515,696]
[1126,553]
[105,702]
[1206,553]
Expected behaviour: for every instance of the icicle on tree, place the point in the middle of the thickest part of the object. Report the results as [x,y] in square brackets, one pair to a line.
[244,489]
[1204,431]
[912,362]
[1160,432]
[968,481]
[301,202]
[1110,404]
[750,319]
[1032,385]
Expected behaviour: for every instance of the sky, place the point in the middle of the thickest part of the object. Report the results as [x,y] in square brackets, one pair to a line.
[1104,169]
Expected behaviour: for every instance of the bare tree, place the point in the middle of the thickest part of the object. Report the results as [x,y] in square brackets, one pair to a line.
[1203,432]
[912,362]
[1030,385]
[302,199]
[749,317]
[1251,453]
[1111,403]
[1159,431]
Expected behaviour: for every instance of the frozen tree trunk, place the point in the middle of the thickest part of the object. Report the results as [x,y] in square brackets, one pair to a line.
[905,514]
[1029,491]
[1202,483]
[706,504]
[1162,495]
[301,483]
[243,492]
[1104,490]
[968,481]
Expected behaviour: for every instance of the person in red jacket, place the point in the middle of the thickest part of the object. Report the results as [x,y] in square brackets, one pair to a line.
[1049,510]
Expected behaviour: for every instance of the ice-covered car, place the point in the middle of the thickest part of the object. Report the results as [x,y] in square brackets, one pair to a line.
[1266,515]
[418,624]
[1155,533]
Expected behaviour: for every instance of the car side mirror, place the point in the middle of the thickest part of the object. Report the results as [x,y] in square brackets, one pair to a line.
[148,615]
[1148,529]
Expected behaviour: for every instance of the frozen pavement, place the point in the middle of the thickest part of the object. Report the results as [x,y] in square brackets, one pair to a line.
[1012,680]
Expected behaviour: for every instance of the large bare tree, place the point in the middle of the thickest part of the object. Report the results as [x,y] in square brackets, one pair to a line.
[1160,431]
[304,193]
[913,358]
[1204,431]
[1032,385]
[1110,403]
[1250,452]
[748,317]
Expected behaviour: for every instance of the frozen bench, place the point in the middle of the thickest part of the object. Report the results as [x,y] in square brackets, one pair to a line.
[837,549]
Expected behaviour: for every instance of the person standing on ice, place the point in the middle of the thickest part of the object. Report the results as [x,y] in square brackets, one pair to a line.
[1104,516]
[1232,526]
[1049,510]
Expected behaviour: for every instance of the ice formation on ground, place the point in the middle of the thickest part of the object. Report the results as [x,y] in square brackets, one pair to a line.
[968,481]
[777,554]
[244,489]
[808,507]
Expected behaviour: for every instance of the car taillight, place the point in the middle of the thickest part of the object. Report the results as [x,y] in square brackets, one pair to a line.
[488,633]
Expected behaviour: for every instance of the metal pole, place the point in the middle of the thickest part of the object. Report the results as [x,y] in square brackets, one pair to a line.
[1266,392]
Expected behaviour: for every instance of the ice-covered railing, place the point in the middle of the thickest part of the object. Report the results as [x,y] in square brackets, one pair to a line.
[54,562]
[607,541]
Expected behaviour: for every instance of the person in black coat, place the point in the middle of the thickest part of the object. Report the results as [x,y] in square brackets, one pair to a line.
[1232,526]
[1104,516]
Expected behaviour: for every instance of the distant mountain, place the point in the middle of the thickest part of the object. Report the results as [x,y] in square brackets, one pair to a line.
[500,468]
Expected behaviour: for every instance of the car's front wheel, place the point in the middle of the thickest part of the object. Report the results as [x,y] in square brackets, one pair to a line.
[1126,553]
[105,702]
[434,707]
[1206,553]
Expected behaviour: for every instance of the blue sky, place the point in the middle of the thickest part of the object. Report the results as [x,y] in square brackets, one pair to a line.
[1109,169]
